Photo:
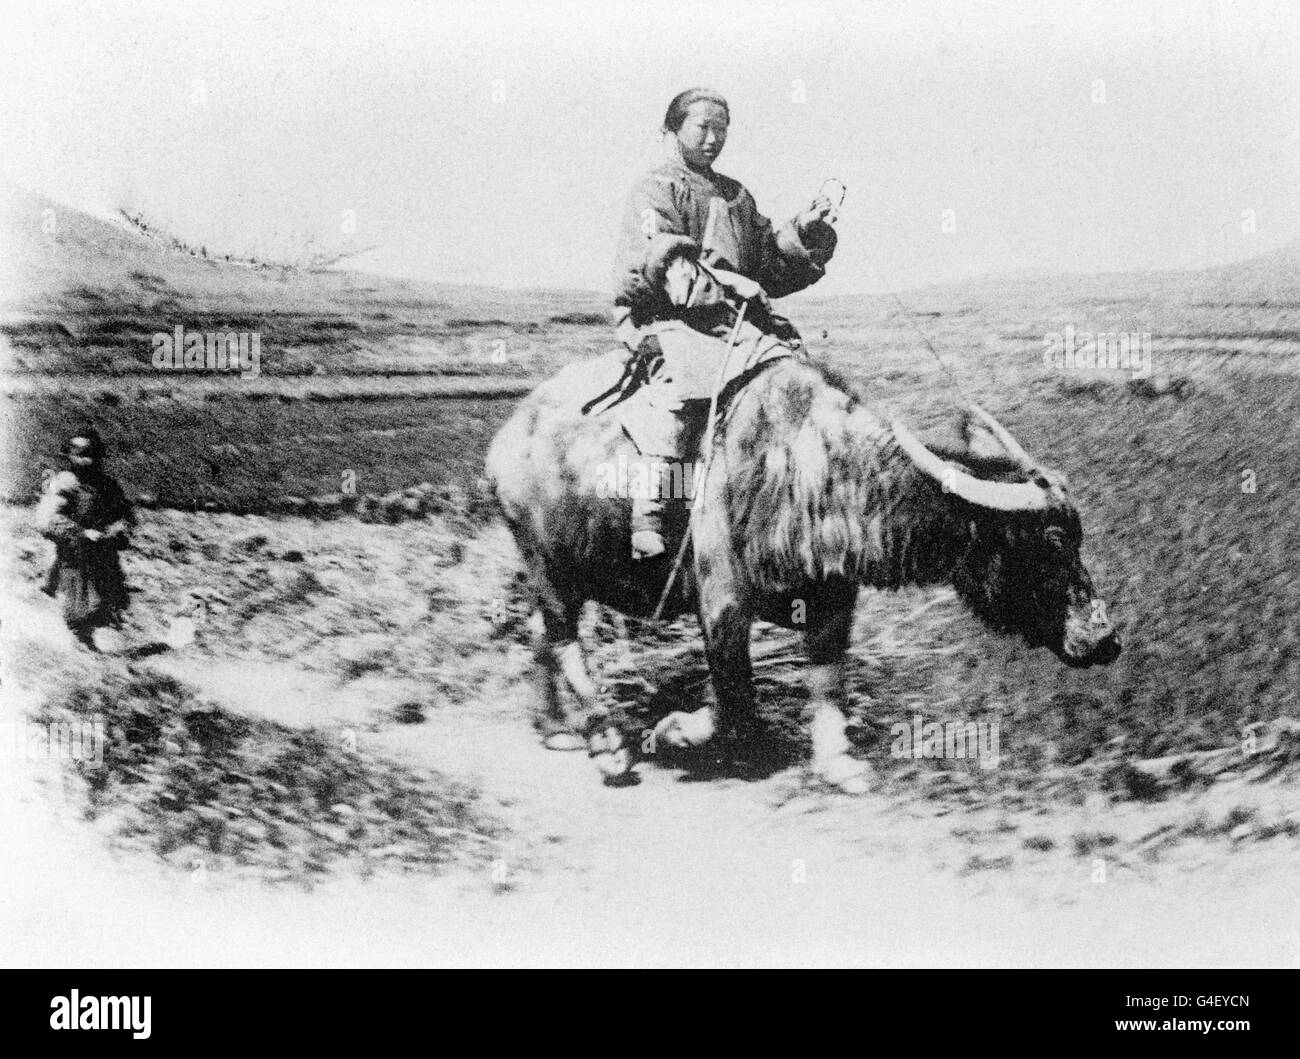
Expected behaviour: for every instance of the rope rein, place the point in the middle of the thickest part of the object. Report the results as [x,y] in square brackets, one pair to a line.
[708,460]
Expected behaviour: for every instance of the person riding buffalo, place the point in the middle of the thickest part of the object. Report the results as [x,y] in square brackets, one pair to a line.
[692,250]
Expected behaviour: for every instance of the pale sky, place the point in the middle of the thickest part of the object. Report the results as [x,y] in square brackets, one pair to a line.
[497,143]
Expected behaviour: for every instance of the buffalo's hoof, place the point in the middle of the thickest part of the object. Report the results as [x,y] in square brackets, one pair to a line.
[611,753]
[564,741]
[845,774]
[682,730]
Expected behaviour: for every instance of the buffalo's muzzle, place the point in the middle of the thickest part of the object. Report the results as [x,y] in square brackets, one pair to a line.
[1094,650]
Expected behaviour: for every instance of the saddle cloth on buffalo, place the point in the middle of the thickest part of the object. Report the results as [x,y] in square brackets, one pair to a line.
[689,362]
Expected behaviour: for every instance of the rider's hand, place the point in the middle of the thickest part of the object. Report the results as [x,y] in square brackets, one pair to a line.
[819,209]
[742,287]
[680,279]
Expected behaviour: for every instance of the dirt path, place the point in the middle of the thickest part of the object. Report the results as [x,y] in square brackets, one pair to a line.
[680,872]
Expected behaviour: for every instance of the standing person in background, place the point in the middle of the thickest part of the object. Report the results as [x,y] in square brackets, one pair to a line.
[87,516]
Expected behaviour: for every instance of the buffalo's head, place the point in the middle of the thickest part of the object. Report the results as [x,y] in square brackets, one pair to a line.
[1017,535]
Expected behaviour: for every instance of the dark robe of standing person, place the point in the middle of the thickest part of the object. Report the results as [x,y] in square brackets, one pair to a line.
[89,519]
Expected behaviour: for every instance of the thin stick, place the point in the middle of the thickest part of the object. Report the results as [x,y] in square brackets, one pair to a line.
[907,315]
[708,460]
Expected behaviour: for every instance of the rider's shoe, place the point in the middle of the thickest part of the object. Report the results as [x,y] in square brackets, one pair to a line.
[648,509]
[647,544]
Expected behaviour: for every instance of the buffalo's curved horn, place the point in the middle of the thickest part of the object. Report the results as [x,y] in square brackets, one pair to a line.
[998,496]
[1026,462]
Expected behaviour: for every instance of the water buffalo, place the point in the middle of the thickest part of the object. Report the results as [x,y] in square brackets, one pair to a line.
[811,494]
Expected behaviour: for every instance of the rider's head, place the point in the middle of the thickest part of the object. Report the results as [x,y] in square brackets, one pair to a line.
[698,118]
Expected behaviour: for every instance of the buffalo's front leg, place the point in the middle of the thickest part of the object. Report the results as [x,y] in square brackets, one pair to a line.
[826,640]
[725,623]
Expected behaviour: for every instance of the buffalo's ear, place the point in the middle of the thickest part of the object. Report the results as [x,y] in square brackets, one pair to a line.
[946,439]
[981,443]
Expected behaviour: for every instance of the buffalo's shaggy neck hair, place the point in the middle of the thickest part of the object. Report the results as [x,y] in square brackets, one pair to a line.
[818,488]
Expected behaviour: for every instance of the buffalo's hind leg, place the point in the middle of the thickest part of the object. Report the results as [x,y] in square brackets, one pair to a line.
[604,741]
[554,722]
[559,657]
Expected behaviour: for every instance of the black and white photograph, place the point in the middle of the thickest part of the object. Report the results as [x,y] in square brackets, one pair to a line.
[650,485]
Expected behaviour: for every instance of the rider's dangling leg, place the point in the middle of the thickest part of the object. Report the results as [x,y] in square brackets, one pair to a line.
[653,419]
[683,365]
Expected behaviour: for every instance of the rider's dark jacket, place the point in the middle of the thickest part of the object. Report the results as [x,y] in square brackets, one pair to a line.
[721,220]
